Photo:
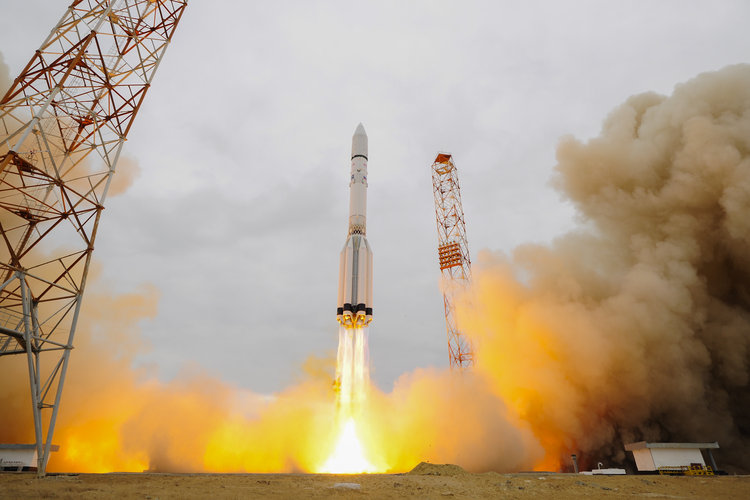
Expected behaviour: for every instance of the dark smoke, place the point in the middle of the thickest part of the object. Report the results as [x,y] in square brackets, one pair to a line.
[636,327]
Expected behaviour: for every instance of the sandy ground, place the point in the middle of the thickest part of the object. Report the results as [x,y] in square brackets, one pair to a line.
[429,482]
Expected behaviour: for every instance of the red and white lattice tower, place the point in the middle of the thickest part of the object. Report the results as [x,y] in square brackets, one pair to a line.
[62,126]
[453,253]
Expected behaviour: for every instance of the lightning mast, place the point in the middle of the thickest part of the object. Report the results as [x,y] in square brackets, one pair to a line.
[453,253]
[62,126]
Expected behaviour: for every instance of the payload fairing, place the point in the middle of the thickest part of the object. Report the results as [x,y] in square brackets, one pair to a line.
[354,308]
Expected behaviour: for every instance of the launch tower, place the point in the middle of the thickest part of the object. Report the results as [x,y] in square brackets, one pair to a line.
[62,127]
[453,253]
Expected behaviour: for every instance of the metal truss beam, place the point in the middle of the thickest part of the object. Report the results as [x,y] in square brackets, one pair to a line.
[63,123]
[453,253]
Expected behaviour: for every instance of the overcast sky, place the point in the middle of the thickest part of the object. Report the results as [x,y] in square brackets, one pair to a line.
[240,211]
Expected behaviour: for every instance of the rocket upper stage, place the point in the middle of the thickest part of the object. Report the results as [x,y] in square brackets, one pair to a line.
[354,308]
[358,183]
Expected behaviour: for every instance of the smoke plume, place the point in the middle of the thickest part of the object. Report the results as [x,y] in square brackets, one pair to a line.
[118,418]
[634,327]
[637,326]
[127,171]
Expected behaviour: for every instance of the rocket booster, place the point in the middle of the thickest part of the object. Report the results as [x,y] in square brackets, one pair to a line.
[354,308]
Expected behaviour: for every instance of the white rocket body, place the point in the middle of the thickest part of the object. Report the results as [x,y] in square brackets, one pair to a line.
[354,308]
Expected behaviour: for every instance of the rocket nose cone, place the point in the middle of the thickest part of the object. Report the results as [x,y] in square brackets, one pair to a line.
[359,142]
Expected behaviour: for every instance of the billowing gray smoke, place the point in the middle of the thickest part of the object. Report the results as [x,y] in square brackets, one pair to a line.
[638,325]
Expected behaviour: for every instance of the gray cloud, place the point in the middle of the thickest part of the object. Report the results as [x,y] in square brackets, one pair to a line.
[243,141]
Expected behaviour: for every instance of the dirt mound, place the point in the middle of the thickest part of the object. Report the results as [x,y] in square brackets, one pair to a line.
[427,469]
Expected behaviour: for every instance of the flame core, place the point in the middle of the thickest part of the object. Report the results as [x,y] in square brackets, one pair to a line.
[348,457]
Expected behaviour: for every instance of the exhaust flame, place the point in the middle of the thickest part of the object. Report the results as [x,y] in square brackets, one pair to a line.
[352,369]
[352,384]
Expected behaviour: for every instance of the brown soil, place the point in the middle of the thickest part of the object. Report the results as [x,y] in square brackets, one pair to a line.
[425,481]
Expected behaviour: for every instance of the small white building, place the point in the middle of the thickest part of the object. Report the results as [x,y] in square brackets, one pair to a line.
[652,456]
[19,457]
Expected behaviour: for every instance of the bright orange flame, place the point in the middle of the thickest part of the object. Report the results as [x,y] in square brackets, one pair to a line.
[117,418]
[352,380]
[348,457]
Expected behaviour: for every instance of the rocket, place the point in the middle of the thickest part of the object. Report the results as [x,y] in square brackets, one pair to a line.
[354,308]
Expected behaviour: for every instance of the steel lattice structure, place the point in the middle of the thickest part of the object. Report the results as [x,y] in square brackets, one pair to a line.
[62,126]
[453,253]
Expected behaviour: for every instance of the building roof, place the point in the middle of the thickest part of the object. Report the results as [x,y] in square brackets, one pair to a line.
[14,446]
[643,444]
